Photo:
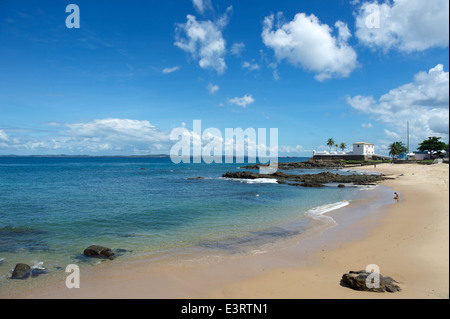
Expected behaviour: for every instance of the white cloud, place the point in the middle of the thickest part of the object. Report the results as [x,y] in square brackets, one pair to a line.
[276,75]
[367,125]
[102,136]
[212,88]
[242,101]
[202,5]
[170,70]
[237,48]
[306,42]
[3,136]
[287,149]
[204,41]
[423,102]
[392,134]
[250,66]
[413,25]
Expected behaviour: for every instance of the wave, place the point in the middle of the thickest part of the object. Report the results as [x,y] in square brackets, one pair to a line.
[254,181]
[318,212]
[368,187]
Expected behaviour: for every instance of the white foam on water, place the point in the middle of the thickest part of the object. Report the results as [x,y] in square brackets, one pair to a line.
[318,212]
[366,188]
[37,265]
[258,252]
[253,181]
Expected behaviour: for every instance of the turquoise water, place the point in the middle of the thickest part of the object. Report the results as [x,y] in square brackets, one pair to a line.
[53,208]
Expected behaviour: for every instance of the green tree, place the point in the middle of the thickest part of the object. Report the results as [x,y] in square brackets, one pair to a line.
[432,144]
[330,143]
[397,149]
[336,147]
[343,146]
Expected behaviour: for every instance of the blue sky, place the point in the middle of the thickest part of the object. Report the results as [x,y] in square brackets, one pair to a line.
[135,70]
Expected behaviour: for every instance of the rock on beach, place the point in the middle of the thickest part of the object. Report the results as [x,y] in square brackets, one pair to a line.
[358,280]
[99,252]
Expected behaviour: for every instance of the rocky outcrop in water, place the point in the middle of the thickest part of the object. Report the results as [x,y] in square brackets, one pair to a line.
[358,280]
[311,180]
[99,252]
[21,271]
[311,164]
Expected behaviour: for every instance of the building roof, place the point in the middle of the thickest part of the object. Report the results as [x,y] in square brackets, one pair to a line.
[363,143]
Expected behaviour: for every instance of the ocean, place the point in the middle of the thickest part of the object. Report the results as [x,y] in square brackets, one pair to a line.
[52,208]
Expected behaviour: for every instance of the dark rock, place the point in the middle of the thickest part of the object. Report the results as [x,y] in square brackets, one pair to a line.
[320,178]
[245,175]
[309,184]
[99,252]
[357,280]
[311,164]
[341,185]
[21,271]
[194,178]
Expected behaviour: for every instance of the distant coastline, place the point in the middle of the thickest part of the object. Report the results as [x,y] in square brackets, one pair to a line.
[91,156]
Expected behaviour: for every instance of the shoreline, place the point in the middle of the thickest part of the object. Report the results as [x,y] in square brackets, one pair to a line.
[293,273]
[410,242]
[180,262]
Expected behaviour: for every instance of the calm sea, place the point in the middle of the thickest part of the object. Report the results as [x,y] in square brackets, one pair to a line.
[51,209]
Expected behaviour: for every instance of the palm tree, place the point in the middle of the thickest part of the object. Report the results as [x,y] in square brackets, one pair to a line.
[336,147]
[396,149]
[343,146]
[330,143]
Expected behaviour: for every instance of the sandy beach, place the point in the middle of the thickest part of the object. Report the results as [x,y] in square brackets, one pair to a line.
[408,240]
[410,244]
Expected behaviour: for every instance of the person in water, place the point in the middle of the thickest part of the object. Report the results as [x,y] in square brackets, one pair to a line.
[396,196]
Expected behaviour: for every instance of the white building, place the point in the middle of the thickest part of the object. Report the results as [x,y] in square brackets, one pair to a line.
[361,151]
[362,148]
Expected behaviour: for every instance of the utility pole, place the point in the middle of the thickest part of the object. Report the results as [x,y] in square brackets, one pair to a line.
[407,136]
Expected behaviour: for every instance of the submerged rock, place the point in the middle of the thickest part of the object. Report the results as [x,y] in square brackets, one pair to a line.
[309,184]
[21,271]
[357,280]
[99,252]
[194,178]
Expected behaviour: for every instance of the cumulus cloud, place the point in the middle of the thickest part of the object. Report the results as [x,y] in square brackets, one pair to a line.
[170,70]
[423,102]
[413,25]
[101,136]
[204,41]
[242,101]
[306,42]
